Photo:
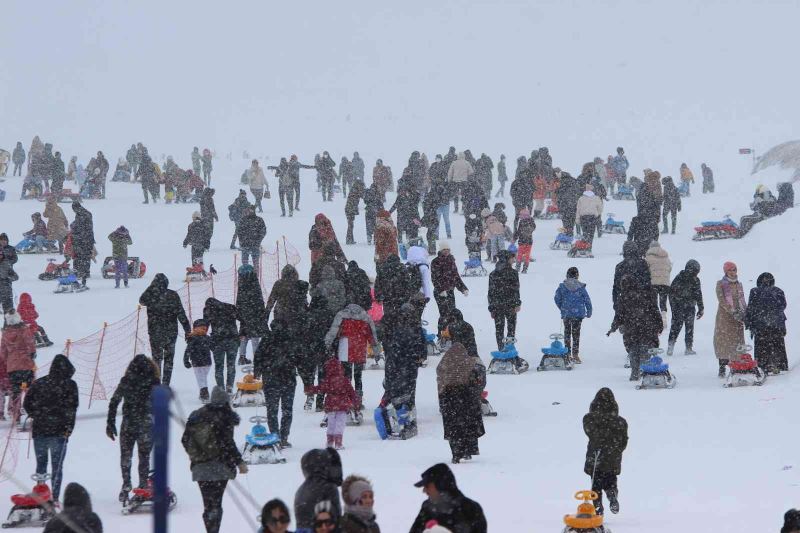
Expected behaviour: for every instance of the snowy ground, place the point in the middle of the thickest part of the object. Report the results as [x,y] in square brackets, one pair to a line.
[692,450]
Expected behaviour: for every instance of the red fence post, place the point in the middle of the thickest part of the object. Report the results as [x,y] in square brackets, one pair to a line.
[189,297]
[97,363]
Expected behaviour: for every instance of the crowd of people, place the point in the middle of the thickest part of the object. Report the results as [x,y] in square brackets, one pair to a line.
[321,329]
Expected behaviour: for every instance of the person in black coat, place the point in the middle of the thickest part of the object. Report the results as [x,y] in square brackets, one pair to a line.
[327,175]
[642,232]
[134,391]
[18,158]
[672,203]
[608,438]
[52,402]
[77,516]
[146,173]
[503,296]
[198,236]
[393,288]
[208,211]
[407,206]
[221,318]
[447,504]
[322,470]
[461,331]
[633,264]
[251,231]
[473,197]
[328,258]
[288,299]
[214,455]
[275,362]
[357,286]
[373,203]
[164,313]
[685,299]
[251,311]
[316,324]
[568,194]
[638,318]
[351,208]
[82,241]
[766,320]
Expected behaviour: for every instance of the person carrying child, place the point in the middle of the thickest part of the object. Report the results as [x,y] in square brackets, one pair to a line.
[523,235]
[573,301]
[120,240]
[198,356]
[28,312]
[340,398]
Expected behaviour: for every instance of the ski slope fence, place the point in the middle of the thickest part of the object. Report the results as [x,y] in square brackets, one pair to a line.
[100,359]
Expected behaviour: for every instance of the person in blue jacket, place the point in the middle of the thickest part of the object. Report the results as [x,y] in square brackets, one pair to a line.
[573,301]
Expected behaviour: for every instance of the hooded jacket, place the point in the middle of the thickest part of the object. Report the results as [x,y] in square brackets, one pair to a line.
[417,255]
[607,432]
[452,510]
[353,326]
[385,237]
[221,318]
[198,234]
[322,470]
[322,232]
[503,287]
[278,354]
[685,293]
[327,259]
[460,169]
[164,311]
[120,240]
[219,453]
[288,299]
[765,307]
[339,393]
[82,231]
[392,284]
[52,401]
[250,306]
[77,512]
[252,231]
[27,311]
[17,347]
[633,265]
[198,348]
[332,289]
[357,286]
[659,264]
[134,391]
[589,205]
[573,300]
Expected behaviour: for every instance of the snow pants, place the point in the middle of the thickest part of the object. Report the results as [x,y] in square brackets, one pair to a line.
[446,305]
[604,481]
[589,225]
[140,435]
[212,492]
[286,194]
[225,363]
[504,318]
[279,394]
[121,270]
[572,335]
[663,296]
[353,372]
[681,318]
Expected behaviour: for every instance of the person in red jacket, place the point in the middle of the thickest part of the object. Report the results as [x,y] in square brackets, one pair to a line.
[340,397]
[385,237]
[27,311]
[355,330]
[17,351]
[445,277]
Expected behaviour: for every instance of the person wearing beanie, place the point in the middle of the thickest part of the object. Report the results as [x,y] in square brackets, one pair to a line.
[729,325]
[198,356]
[359,499]
[120,240]
[573,301]
[523,236]
[214,455]
[445,278]
[17,350]
[686,302]
[198,236]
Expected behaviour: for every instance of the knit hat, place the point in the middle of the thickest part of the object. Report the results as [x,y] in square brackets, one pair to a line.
[444,245]
[196,215]
[218,396]
[729,265]
[13,318]
[356,490]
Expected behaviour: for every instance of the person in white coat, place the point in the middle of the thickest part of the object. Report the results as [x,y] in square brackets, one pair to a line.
[258,183]
[418,255]
[460,170]
[588,212]
[660,275]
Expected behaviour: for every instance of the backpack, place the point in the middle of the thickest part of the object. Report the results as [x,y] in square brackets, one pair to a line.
[200,441]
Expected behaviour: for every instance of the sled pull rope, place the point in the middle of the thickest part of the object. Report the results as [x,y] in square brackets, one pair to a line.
[594,469]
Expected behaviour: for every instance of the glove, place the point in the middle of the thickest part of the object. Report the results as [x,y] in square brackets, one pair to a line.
[517,308]
[243,468]
[111,431]
[466,292]
[187,363]
[699,315]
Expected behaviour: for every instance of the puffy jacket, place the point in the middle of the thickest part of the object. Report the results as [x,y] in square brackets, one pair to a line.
[355,325]
[444,274]
[221,318]
[766,306]
[503,287]
[52,401]
[256,178]
[589,204]
[120,240]
[385,237]
[608,435]
[27,311]
[573,300]
[685,292]
[460,169]
[322,470]
[16,347]
[339,393]
[252,231]
[278,355]
[659,264]
[164,311]
[198,349]
[198,234]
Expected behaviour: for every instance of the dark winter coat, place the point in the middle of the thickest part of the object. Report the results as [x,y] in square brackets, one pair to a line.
[642,232]
[459,398]
[278,353]
[134,391]
[632,264]
[452,510]
[765,307]
[684,292]
[392,283]
[252,231]
[355,195]
[357,286]
[503,288]
[198,235]
[208,211]
[82,232]
[474,197]
[237,208]
[522,187]
[568,193]
[332,289]
[373,202]
[637,315]
[439,193]
[120,240]
[352,523]
[18,156]
[77,516]
[215,456]
[250,306]
[608,435]
[672,198]
[358,168]
[164,311]
[52,401]
[524,232]
[315,327]
[322,470]
[327,260]
[438,172]
[198,351]
[462,332]
[648,204]
[405,351]
[444,274]
[221,318]
[407,206]
[288,299]
[573,300]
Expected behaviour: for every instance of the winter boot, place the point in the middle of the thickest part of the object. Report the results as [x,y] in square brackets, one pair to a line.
[324,422]
[577,359]
[525,268]
[635,376]
[337,442]
[723,363]
[243,360]
[204,394]
[613,503]
[330,441]
[671,348]
[689,350]
[285,443]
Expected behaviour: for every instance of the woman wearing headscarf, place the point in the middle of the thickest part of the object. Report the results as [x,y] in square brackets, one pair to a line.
[321,233]
[729,326]
[766,320]
[460,379]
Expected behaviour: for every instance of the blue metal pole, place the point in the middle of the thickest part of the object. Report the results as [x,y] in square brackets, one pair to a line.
[161,398]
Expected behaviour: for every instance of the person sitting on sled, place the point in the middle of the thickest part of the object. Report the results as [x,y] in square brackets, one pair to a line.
[28,312]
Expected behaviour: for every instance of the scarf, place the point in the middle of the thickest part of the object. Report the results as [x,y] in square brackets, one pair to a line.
[363,513]
[455,368]
[735,301]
